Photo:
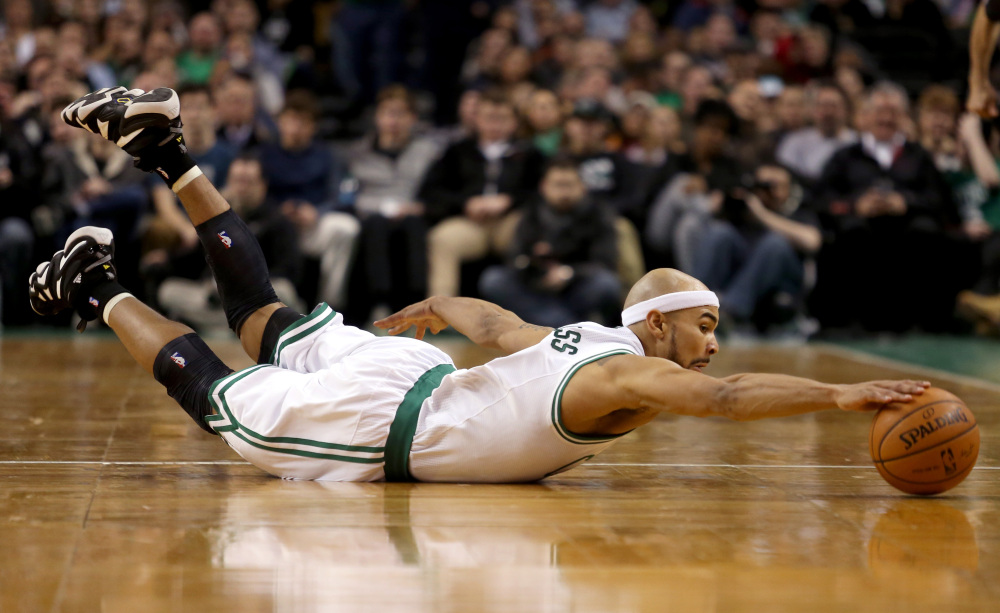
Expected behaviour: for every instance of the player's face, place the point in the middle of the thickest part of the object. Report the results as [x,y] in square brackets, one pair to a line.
[690,337]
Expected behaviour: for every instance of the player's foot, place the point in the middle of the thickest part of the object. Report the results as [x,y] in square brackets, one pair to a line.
[68,279]
[137,121]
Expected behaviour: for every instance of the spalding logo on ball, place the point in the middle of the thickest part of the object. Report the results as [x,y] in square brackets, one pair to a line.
[925,446]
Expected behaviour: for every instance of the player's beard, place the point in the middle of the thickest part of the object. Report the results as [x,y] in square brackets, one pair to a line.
[672,349]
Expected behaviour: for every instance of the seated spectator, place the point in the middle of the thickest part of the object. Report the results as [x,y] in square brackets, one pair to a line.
[691,187]
[303,178]
[18,189]
[195,300]
[886,208]
[752,255]
[242,125]
[606,173]
[197,63]
[544,118]
[473,193]
[806,151]
[389,167]
[562,263]
[670,76]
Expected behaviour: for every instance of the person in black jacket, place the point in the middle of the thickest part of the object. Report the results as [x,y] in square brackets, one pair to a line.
[474,191]
[562,262]
[885,209]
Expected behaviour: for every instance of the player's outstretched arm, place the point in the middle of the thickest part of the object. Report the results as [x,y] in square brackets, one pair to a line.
[618,393]
[484,323]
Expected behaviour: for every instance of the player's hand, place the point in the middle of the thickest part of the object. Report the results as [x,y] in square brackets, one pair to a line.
[873,395]
[982,99]
[420,315]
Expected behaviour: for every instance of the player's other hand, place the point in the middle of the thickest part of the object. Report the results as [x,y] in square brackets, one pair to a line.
[873,395]
[420,315]
[982,100]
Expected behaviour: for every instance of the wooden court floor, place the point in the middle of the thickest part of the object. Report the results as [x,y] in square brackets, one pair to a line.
[111,500]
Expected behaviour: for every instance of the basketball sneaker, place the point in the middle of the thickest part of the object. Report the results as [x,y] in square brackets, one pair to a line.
[68,280]
[142,123]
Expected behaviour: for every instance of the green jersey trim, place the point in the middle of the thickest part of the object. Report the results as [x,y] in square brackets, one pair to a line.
[557,421]
[225,421]
[404,425]
[302,328]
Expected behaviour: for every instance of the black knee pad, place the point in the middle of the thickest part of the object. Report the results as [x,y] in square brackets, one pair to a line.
[276,324]
[238,265]
[188,368]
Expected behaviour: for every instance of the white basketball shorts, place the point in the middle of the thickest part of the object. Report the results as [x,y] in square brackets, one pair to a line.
[324,409]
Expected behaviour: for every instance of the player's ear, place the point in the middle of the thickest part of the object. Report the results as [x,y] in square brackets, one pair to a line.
[656,324]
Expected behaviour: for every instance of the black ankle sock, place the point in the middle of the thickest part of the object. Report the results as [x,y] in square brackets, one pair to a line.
[170,161]
[238,267]
[90,302]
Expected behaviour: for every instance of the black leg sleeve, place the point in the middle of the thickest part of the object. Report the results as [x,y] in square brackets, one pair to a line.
[238,265]
[188,368]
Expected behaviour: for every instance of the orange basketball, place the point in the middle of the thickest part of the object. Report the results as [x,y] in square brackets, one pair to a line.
[925,446]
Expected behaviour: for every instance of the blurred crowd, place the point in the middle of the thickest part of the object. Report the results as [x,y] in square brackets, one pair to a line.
[809,160]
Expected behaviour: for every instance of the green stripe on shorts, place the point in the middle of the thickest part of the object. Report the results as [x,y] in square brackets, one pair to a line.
[404,426]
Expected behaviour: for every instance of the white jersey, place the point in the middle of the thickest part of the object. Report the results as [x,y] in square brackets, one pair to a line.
[340,404]
[502,421]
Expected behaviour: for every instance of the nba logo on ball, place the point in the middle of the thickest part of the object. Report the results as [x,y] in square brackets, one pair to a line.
[179,359]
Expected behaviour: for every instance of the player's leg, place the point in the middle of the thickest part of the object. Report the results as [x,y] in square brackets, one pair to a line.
[148,126]
[83,277]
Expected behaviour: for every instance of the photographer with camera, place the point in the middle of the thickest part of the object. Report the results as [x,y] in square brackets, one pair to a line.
[563,259]
[752,253]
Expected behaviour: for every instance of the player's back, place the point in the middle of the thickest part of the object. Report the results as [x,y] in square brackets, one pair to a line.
[502,421]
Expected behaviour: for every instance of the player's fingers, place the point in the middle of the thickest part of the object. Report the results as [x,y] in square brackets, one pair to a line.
[399,329]
[421,328]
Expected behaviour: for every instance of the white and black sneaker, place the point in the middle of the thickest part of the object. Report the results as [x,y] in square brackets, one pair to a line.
[70,278]
[142,123]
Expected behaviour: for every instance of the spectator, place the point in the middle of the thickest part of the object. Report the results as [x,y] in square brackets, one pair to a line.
[693,187]
[389,167]
[195,300]
[562,262]
[697,85]
[535,19]
[604,172]
[544,119]
[885,207]
[197,63]
[303,178]
[609,19]
[671,75]
[805,151]
[18,186]
[241,125]
[473,193]
[17,28]
[752,255]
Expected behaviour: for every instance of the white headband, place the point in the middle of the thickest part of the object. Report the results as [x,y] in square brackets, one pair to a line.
[668,302]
